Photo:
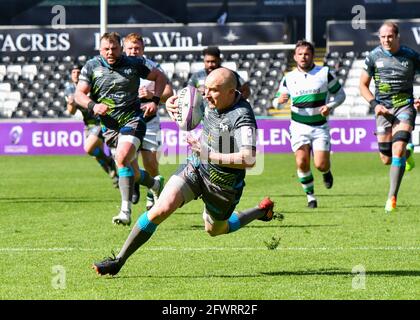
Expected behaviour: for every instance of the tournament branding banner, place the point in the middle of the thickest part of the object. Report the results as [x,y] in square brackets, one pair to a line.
[78,40]
[44,138]
[66,138]
[344,36]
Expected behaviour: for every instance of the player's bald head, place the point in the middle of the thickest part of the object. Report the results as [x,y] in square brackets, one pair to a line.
[222,77]
[220,89]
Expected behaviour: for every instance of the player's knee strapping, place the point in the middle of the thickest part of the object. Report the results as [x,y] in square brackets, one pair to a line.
[398,162]
[98,154]
[404,136]
[125,172]
[385,148]
[234,223]
[142,176]
[145,224]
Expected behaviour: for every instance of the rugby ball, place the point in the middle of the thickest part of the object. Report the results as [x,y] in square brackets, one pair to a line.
[190,110]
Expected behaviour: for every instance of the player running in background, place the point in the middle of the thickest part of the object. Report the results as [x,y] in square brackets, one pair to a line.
[212,61]
[134,46]
[112,80]
[309,87]
[392,66]
[218,178]
[94,141]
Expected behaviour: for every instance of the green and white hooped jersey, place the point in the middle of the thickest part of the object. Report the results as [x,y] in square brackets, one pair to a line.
[309,91]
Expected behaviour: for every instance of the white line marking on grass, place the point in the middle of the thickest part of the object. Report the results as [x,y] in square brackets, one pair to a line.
[68,249]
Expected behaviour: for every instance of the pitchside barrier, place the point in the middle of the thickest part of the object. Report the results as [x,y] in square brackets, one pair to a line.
[44,137]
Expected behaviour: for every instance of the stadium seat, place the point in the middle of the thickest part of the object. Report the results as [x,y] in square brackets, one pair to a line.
[5,86]
[182,69]
[15,70]
[196,66]
[42,104]
[230,65]
[82,59]
[416,90]
[6,59]
[189,57]
[243,74]
[169,68]
[9,106]
[250,56]
[258,111]
[262,64]
[358,64]
[51,59]
[364,54]
[15,96]
[37,85]
[48,94]
[58,104]
[20,60]
[245,65]
[23,85]
[353,82]
[50,113]
[157,58]
[359,110]
[64,114]
[47,67]
[53,85]
[342,111]
[31,94]
[352,91]
[173,57]
[2,70]
[29,71]
[35,113]
[68,59]
[36,59]
[280,56]
[20,114]
[334,54]
[350,54]
[26,105]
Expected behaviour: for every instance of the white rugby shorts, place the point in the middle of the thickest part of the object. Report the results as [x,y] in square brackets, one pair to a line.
[152,139]
[318,137]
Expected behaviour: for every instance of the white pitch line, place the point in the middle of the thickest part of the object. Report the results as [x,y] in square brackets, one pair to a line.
[68,249]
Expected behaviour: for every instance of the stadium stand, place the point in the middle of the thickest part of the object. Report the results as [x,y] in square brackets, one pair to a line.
[348,68]
[34,87]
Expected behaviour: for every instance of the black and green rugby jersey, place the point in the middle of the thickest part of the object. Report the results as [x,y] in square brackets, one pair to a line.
[228,132]
[117,85]
[393,75]
[88,118]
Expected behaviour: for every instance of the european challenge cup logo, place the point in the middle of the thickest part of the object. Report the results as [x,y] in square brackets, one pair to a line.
[15,134]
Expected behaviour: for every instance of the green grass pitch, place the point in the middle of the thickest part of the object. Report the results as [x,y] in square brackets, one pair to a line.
[56,215]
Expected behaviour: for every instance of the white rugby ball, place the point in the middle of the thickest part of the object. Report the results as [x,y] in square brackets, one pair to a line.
[190,110]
